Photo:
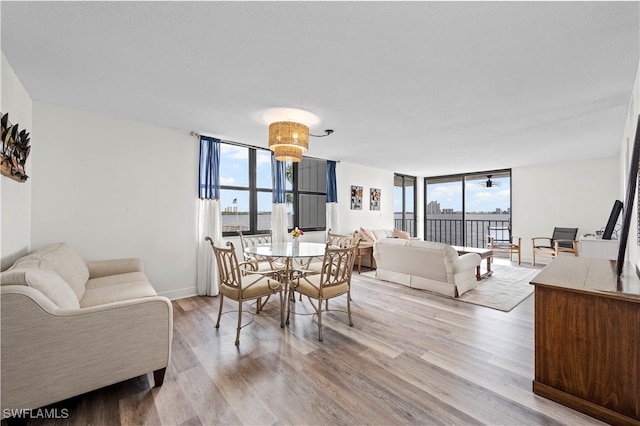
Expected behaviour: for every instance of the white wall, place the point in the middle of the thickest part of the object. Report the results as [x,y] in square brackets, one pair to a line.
[348,174]
[577,194]
[15,197]
[116,188]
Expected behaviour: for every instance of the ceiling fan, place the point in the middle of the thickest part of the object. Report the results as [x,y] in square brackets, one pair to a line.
[489,183]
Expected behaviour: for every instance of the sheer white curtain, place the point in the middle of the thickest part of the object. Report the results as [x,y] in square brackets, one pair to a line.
[332,198]
[279,225]
[279,222]
[332,218]
[209,216]
[209,225]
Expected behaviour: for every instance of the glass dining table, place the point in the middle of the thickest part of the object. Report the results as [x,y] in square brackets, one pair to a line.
[304,253]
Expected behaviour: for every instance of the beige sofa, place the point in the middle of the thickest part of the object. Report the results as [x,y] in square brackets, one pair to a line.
[425,265]
[70,326]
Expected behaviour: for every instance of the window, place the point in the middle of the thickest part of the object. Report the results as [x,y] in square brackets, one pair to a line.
[246,194]
[404,201]
[464,209]
[312,194]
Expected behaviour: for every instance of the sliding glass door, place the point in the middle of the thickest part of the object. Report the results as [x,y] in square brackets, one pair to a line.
[463,210]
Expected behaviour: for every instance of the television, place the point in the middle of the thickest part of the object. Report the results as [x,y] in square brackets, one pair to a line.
[613,219]
[628,205]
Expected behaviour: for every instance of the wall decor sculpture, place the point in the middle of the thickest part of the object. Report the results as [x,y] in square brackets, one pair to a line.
[14,151]
[375,199]
[356,197]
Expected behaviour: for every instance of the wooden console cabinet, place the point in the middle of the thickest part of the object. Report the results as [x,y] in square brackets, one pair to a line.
[587,338]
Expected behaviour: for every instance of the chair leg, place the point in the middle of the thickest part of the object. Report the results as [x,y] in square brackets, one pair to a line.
[239,322]
[349,307]
[319,311]
[533,256]
[259,305]
[220,311]
[518,256]
[287,299]
[281,310]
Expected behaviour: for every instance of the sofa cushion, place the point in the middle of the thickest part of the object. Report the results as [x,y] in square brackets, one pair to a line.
[62,259]
[116,288]
[46,281]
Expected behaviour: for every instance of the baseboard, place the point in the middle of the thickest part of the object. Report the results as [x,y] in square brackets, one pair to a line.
[180,293]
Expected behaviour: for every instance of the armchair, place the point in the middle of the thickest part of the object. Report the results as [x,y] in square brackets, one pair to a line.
[563,240]
[511,246]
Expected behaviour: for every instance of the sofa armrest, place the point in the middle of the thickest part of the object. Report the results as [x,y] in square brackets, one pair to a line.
[466,261]
[103,268]
[50,354]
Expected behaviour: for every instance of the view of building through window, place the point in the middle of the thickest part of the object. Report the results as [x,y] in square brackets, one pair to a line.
[465,209]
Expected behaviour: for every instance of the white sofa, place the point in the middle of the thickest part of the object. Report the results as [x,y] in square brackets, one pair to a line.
[425,265]
[70,326]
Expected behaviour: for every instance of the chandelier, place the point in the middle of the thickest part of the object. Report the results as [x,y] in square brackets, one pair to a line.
[288,140]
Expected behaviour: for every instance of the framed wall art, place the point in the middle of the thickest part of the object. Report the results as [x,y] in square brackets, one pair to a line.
[356,197]
[375,199]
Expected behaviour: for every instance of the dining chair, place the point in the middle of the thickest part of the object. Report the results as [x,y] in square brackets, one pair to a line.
[268,266]
[340,240]
[336,240]
[334,280]
[563,240]
[240,285]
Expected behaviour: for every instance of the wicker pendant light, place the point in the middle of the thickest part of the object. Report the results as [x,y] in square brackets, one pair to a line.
[288,140]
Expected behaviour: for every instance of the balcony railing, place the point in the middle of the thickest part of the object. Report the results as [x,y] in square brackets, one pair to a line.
[449,231]
[409,225]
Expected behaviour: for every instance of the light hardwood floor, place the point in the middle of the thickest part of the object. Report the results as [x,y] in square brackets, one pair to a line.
[411,358]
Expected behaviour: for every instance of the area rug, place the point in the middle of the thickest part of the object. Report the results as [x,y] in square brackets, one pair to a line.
[504,290]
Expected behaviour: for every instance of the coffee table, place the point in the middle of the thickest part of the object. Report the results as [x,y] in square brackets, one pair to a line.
[484,254]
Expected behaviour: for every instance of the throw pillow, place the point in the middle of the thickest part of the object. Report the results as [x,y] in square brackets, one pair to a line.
[368,235]
[401,234]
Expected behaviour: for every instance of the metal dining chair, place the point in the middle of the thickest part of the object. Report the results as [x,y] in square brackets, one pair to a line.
[237,284]
[333,281]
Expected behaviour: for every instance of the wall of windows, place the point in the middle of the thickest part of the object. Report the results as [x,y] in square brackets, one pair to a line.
[404,202]
[464,209]
[246,194]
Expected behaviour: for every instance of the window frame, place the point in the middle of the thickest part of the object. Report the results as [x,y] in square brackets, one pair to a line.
[254,191]
[464,177]
[403,220]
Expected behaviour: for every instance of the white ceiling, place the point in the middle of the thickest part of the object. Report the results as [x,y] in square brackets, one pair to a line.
[422,88]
